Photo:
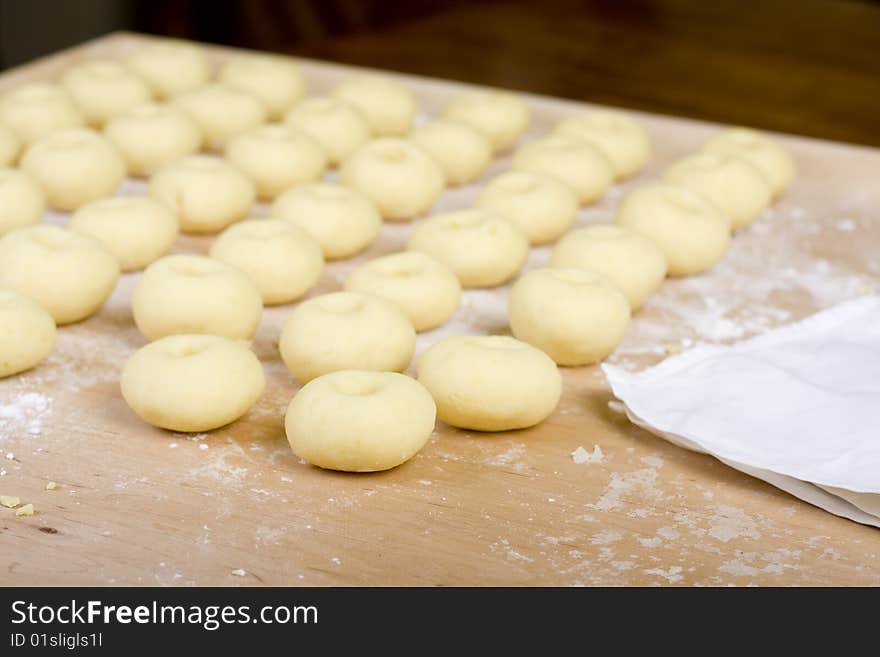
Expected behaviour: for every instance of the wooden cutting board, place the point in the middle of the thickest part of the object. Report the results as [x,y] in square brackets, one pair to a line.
[137,505]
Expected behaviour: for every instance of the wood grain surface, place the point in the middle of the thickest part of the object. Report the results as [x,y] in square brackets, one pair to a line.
[136,505]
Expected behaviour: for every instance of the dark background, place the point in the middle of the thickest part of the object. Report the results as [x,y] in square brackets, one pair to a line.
[806,66]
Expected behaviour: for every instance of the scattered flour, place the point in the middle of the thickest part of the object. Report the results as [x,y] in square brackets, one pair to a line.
[580,455]
[728,522]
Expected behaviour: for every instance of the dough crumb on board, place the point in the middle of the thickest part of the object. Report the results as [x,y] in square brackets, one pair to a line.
[580,455]
[239,572]
[9,501]
[51,486]
[26,510]
[617,406]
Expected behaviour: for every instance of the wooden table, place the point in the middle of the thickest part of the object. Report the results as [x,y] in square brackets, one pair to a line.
[136,505]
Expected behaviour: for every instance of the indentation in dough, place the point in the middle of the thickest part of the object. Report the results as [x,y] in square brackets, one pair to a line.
[357,386]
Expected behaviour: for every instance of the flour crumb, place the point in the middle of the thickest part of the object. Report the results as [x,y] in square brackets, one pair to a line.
[580,455]
[671,575]
[617,406]
[26,510]
[9,501]
[239,572]
[51,486]
[203,446]
[10,456]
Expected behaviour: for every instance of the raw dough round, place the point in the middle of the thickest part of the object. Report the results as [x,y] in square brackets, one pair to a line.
[68,274]
[275,81]
[427,291]
[206,192]
[541,206]
[499,115]
[388,105]
[103,88]
[74,167]
[398,176]
[360,421]
[620,138]
[463,152]
[735,186]
[22,201]
[277,157]
[482,248]
[150,136]
[27,335]
[343,331]
[136,229]
[221,112]
[338,126]
[10,146]
[187,293]
[342,220]
[192,383]
[37,109]
[490,382]
[170,67]
[628,259]
[281,259]
[575,316]
[761,150]
[692,233]
[575,162]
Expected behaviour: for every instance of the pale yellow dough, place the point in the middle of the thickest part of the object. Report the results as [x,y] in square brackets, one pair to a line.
[343,331]
[342,220]
[22,201]
[282,260]
[499,115]
[68,274]
[274,81]
[277,157]
[628,259]
[221,112]
[360,421]
[150,136]
[398,176]
[338,126]
[463,152]
[170,67]
[184,293]
[103,88]
[387,104]
[28,333]
[192,383]
[482,248]
[206,192]
[575,316]
[74,167]
[423,288]
[10,146]
[490,382]
[541,206]
[136,229]
[761,150]
[692,233]
[573,161]
[37,109]
[620,138]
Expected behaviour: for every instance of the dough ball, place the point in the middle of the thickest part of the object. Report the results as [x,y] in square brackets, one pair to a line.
[628,259]
[277,157]
[575,162]
[541,206]
[192,383]
[692,233]
[10,146]
[358,421]
[338,126]
[170,67]
[68,274]
[575,316]
[37,109]
[22,201]
[221,112]
[425,290]
[206,192]
[734,185]
[463,152]
[342,220]
[186,293]
[760,150]
[74,167]
[28,333]
[282,260]
[482,248]
[499,115]
[398,176]
[150,136]
[275,81]
[490,382]
[104,88]
[387,104]
[618,136]
[344,331]
[136,229]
